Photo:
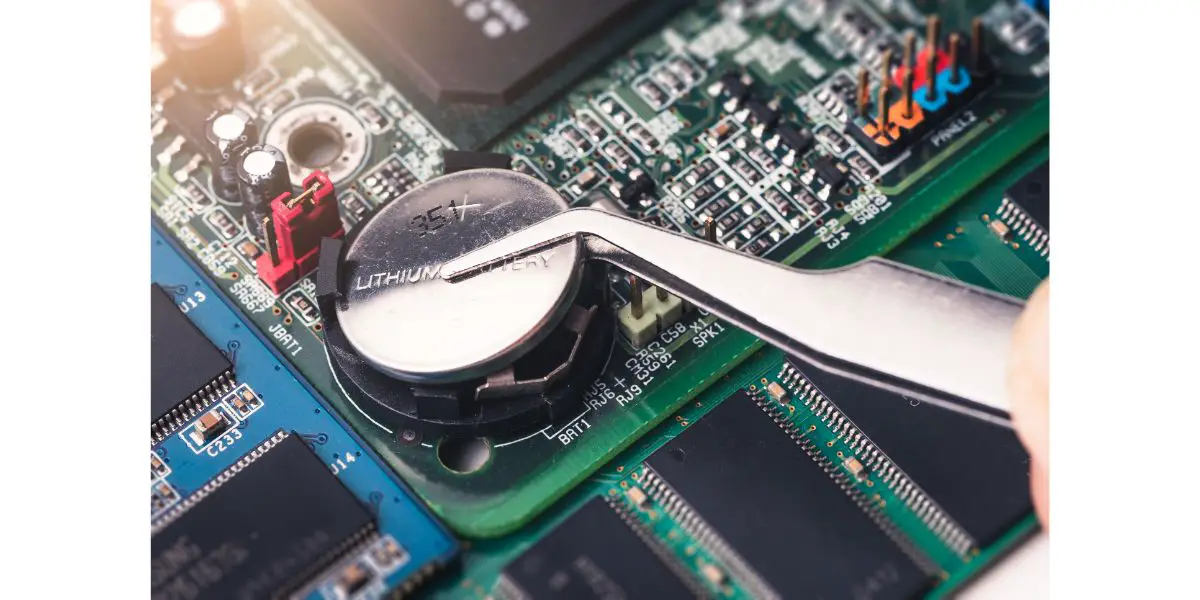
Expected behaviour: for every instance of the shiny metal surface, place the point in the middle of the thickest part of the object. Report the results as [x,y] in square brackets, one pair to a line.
[403,318]
[877,321]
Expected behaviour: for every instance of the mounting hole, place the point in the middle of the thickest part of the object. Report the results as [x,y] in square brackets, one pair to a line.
[464,455]
[315,145]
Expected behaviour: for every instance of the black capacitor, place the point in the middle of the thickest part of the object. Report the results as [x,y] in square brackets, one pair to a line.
[228,131]
[262,173]
[203,39]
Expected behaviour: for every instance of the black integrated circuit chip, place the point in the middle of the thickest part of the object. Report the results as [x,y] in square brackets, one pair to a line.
[779,511]
[260,530]
[1031,194]
[593,554]
[478,67]
[976,470]
[186,370]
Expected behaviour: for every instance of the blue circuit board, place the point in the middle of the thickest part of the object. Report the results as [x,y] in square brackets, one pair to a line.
[184,465]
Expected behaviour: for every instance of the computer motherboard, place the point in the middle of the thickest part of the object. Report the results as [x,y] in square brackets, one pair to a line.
[296,451]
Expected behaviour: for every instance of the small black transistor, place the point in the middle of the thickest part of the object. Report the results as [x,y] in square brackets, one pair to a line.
[799,140]
[832,171]
[763,113]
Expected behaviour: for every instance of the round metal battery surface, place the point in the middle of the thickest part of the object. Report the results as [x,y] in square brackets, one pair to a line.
[404,319]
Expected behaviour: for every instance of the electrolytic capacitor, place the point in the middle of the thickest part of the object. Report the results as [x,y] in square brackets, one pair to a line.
[228,131]
[203,38]
[262,174]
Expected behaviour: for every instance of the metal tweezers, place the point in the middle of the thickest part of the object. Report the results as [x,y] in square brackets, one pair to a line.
[879,322]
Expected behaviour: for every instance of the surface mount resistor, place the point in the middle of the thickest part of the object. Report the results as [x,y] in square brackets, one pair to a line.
[157,467]
[209,426]
[1001,230]
[353,578]
[776,391]
[637,496]
[245,401]
[855,467]
[714,574]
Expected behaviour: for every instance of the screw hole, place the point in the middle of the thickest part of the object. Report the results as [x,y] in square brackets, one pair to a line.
[464,455]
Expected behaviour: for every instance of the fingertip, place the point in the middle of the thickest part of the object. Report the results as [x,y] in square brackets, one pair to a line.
[1029,389]
[1028,374]
[1039,489]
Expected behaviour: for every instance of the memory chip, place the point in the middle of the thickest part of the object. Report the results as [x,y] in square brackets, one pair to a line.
[976,470]
[1031,194]
[778,510]
[259,530]
[593,554]
[475,68]
[186,369]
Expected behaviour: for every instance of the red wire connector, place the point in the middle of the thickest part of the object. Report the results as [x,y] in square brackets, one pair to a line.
[919,68]
[295,229]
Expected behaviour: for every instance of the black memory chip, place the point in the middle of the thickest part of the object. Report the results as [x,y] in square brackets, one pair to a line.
[977,471]
[186,369]
[478,67]
[273,523]
[776,508]
[593,554]
[1032,195]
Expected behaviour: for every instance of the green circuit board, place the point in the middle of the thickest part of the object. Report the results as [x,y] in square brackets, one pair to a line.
[930,207]
[486,560]
[959,243]
[1001,265]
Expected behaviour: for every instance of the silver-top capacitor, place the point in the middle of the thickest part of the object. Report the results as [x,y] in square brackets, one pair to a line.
[262,173]
[228,131]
